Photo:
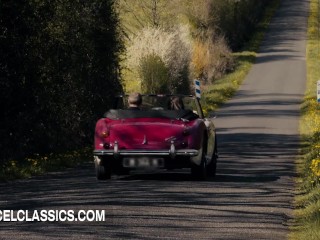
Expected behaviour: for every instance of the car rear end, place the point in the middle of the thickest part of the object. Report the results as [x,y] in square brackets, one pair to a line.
[153,137]
[135,143]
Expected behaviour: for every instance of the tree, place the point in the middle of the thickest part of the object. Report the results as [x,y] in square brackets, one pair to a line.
[215,28]
[138,14]
[59,69]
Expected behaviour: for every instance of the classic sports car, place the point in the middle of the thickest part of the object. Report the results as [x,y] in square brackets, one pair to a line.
[156,136]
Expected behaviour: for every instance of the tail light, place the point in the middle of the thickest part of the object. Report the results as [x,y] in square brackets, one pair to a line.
[105,134]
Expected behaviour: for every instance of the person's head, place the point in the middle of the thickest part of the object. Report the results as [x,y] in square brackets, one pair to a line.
[135,100]
[176,103]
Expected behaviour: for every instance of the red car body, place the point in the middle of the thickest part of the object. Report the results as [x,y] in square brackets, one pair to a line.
[155,137]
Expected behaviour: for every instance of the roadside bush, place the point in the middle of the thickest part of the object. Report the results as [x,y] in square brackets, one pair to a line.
[211,59]
[165,53]
[215,28]
[59,64]
[234,20]
[155,75]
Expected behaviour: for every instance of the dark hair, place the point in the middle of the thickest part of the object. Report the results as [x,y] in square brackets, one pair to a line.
[176,103]
[135,99]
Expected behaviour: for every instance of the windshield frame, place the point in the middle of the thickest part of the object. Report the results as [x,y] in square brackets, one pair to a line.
[190,102]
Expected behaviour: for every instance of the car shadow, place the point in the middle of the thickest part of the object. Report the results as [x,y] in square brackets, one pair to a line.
[160,176]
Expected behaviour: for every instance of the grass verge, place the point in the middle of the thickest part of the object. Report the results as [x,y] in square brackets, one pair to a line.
[223,89]
[307,214]
[40,164]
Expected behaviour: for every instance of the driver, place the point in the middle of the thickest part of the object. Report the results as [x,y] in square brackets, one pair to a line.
[134,101]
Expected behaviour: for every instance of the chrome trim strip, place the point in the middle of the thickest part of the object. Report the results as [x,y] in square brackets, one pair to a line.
[180,152]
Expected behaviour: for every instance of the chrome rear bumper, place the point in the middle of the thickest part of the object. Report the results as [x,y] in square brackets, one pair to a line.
[184,152]
[172,152]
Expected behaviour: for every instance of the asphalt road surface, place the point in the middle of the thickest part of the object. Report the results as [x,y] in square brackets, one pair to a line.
[251,198]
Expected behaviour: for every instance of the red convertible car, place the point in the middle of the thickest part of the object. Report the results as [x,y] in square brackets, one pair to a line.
[156,136]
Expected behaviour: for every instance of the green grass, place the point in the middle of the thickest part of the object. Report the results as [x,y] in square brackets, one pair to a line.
[307,213]
[223,89]
[39,164]
[307,217]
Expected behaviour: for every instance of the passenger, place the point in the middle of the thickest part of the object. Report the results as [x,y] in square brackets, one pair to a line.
[134,101]
[176,104]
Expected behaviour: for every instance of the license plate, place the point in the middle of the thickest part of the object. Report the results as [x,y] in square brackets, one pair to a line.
[143,162]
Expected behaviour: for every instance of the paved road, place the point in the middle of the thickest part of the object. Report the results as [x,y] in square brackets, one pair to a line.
[251,197]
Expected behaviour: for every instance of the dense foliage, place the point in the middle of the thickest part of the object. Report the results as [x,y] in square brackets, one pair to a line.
[59,64]
[60,60]
[212,29]
[160,59]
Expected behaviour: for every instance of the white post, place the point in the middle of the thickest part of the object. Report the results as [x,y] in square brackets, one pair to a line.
[197,88]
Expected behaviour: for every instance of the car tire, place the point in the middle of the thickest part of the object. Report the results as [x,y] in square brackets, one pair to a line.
[119,170]
[103,172]
[212,166]
[199,172]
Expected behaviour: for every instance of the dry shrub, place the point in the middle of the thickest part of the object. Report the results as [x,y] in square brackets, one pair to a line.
[211,59]
[170,48]
[154,73]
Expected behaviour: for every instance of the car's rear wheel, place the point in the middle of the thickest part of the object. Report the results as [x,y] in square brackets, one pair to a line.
[199,172]
[212,166]
[119,170]
[103,171]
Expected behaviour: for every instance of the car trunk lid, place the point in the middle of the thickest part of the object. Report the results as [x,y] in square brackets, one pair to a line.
[147,135]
